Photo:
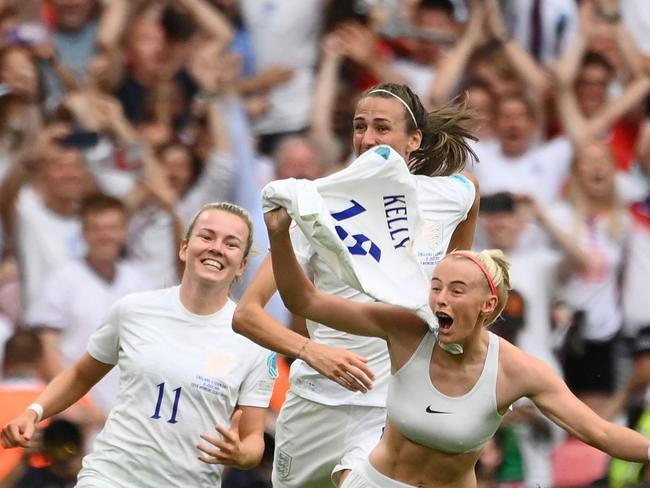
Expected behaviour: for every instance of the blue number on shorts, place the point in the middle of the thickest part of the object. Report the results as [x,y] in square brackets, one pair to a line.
[177,397]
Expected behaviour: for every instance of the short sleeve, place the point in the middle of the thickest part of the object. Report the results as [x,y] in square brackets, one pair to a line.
[466,194]
[104,344]
[257,387]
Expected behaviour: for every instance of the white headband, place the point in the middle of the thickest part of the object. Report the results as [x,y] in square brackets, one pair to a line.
[400,100]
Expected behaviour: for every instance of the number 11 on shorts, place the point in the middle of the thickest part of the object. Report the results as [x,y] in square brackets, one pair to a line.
[177,397]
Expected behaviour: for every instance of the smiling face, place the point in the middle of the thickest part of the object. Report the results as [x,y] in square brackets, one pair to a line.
[214,253]
[379,120]
[515,126]
[177,161]
[460,298]
[595,171]
[591,88]
[64,174]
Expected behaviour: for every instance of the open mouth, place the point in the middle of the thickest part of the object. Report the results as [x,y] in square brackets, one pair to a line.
[212,263]
[444,321]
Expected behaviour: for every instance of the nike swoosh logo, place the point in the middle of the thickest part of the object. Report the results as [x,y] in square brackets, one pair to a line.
[429,410]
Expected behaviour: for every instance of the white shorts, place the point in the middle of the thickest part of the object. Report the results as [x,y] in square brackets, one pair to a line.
[313,442]
[364,475]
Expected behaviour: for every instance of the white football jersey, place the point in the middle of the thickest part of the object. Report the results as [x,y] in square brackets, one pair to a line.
[180,374]
[444,202]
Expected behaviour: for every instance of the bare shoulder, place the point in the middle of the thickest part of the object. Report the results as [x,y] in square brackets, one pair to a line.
[520,373]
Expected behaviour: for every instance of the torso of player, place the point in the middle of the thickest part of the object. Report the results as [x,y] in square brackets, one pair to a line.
[444,203]
[179,375]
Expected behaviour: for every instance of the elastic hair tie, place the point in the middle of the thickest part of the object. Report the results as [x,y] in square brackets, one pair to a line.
[478,263]
[381,90]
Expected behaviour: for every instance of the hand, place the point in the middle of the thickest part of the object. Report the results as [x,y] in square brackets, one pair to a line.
[276,75]
[277,220]
[358,43]
[495,21]
[332,46]
[204,67]
[228,449]
[344,367]
[257,105]
[474,30]
[19,432]
[529,206]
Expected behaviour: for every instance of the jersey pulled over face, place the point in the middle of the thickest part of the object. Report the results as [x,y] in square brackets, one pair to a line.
[380,120]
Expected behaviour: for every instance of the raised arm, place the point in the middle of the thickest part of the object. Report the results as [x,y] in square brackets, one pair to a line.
[634,94]
[301,296]
[453,65]
[528,69]
[210,20]
[252,321]
[575,257]
[324,100]
[64,390]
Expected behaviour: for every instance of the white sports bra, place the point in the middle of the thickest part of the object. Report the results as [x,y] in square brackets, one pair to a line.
[449,424]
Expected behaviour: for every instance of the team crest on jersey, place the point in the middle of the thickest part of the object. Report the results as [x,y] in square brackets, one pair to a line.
[283,464]
[432,234]
[272,365]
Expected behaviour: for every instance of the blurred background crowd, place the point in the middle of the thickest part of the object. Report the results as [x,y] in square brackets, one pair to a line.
[120,118]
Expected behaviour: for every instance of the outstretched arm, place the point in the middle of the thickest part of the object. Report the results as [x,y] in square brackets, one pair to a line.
[252,321]
[553,397]
[453,65]
[301,297]
[64,390]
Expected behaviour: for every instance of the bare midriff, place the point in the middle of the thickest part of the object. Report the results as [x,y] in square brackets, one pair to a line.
[413,464]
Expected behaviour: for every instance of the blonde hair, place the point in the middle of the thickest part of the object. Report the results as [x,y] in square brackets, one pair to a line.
[225,207]
[497,265]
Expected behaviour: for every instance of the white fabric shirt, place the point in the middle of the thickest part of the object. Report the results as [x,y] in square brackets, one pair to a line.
[418,76]
[74,300]
[285,33]
[44,241]
[636,279]
[444,202]
[533,273]
[596,292]
[151,242]
[364,221]
[636,17]
[559,25]
[180,373]
[541,172]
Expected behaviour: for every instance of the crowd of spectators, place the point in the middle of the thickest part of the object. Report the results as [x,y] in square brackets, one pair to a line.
[120,118]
